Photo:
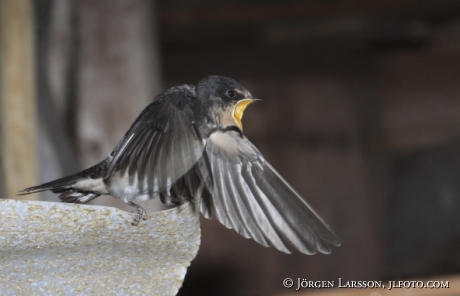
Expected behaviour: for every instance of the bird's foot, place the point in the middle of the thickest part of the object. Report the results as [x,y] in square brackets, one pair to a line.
[141,213]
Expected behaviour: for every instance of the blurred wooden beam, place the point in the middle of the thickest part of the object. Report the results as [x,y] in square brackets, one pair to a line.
[420,94]
[288,60]
[17,96]
[118,73]
[187,17]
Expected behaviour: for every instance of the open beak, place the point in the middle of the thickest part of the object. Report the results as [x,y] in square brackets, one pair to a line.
[239,109]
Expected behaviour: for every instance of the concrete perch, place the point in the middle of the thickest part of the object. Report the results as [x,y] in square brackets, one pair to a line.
[49,248]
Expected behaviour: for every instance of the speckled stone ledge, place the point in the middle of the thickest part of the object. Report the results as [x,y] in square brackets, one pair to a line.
[49,248]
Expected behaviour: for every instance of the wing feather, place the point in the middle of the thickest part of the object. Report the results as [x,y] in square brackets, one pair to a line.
[251,197]
[162,145]
[244,216]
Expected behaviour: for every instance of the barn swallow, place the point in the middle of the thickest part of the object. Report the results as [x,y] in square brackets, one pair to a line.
[188,145]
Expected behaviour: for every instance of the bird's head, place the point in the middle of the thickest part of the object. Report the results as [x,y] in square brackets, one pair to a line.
[227,98]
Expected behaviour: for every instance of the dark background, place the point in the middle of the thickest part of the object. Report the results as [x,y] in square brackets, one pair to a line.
[360,112]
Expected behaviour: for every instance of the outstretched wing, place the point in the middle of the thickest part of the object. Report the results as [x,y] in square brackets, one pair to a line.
[162,145]
[252,198]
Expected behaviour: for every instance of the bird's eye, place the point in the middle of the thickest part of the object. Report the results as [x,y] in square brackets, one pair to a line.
[231,94]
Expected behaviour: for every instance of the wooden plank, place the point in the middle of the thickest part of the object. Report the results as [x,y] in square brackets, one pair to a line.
[118,73]
[207,15]
[419,90]
[18,106]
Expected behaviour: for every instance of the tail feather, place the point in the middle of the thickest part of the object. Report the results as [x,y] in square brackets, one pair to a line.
[56,186]
[68,187]
[78,188]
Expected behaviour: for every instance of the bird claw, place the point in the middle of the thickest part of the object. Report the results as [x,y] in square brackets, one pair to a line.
[141,214]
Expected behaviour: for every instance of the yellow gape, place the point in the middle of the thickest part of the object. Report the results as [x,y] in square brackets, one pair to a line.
[239,109]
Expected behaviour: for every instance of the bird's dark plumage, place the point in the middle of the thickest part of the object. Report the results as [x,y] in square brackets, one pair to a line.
[188,145]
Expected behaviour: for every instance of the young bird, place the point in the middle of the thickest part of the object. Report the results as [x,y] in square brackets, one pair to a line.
[188,145]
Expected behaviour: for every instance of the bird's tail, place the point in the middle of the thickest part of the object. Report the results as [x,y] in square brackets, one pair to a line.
[70,189]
